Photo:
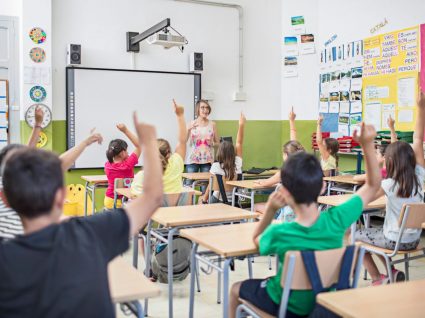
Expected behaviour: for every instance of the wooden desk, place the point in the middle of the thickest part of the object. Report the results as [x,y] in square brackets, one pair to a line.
[126,192]
[393,300]
[250,185]
[197,176]
[262,175]
[92,183]
[346,179]
[127,285]
[227,241]
[334,200]
[176,218]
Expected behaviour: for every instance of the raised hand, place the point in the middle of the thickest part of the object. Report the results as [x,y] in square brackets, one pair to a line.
[420,101]
[276,200]
[242,119]
[390,122]
[122,127]
[39,115]
[292,115]
[320,120]
[94,137]
[367,134]
[179,110]
[146,133]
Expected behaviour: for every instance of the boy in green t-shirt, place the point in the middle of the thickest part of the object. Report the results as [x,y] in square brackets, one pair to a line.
[302,182]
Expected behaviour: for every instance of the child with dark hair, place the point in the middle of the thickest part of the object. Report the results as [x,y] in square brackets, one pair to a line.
[229,162]
[172,163]
[302,183]
[328,149]
[404,184]
[120,164]
[59,269]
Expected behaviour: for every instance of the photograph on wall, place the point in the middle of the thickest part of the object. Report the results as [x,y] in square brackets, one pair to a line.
[335,76]
[344,96]
[290,45]
[356,72]
[356,95]
[290,66]
[298,24]
[334,96]
[307,44]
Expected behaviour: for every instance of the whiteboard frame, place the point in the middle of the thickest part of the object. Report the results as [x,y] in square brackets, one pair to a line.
[70,93]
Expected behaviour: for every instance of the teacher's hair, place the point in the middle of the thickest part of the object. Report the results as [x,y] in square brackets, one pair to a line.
[198,106]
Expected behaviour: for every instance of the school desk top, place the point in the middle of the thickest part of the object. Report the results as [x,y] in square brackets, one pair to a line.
[225,240]
[349,179]
[335,200]
[127,192]
[95,179]
[393,300]
[197,176]
[262,174]
[128,284]
[200,214]
[249,184]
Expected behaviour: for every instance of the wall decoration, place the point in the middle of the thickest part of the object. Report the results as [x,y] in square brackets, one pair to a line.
[290,45]
[30,115]
[37,55]
[298,24]
[307,44]
[37,35]
[38,94]
[42,140]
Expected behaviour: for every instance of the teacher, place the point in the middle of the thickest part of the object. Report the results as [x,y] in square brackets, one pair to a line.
[203,135]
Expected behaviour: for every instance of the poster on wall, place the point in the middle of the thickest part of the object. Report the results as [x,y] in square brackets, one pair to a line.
[307,44]
[290,66]
[290,45]
[391,66]
[298,24]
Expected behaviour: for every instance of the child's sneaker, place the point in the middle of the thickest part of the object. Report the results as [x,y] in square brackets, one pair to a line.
[381,281]
[398,276]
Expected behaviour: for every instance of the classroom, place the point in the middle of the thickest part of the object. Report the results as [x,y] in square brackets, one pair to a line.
[255,158]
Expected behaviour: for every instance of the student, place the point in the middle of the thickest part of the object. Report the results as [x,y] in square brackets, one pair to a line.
[202,134]
[172,163]
[119,164]
[380,152]
[229,163]
[404,184]
[292,146]
[328,149]
[59,269]
[302,182]
[10,222]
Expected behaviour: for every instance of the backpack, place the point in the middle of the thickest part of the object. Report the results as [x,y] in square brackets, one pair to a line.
[309,260]
[181,253]
[181,260]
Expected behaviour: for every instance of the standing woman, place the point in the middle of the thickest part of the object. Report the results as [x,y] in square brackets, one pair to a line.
[203,135]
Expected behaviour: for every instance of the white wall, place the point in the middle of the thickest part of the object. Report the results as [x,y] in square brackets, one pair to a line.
[100,26]
[11,7]
[350,20]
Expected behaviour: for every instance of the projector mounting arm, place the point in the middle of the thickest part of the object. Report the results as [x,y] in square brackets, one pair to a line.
[134,38]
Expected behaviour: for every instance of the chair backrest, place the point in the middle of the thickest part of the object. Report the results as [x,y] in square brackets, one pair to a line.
[413,215]
[122,182]
[178,199]
[219,184]
[328,264]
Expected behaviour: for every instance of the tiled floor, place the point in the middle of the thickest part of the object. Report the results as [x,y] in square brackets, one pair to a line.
[205,302]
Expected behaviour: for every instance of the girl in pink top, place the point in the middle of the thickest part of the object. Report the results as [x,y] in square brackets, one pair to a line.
[120,164]
[202,134]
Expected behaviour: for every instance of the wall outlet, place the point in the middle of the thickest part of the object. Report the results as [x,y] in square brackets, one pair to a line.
[239,96]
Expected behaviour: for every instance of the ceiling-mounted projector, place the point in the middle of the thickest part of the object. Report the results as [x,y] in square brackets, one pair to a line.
[167,40]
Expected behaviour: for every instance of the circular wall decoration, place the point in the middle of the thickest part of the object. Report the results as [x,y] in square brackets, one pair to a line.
[37,35]
[42,140]
[37,55]
[30,115]
[38,94]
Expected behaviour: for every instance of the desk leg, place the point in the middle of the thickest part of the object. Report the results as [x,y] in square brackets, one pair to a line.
[250,261]
[359,162]
[148,258]
[353,230]
[252,200]
[171,233]
[135,249]
[139,308]
[192,278]
[86,193]
[219,282]
[93,199]
[234,196]
[226,287]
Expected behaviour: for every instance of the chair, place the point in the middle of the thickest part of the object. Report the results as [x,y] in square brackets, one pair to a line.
[294,277]
[218,183]
[411,217]
[121,183]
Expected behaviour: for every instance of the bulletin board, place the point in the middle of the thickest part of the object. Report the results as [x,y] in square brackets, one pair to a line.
[390,78]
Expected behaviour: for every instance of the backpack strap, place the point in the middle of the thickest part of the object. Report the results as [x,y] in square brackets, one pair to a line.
[344,272]
[310,264]
[221,187]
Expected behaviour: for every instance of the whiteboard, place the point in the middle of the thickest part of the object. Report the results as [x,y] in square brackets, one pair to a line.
[101,98]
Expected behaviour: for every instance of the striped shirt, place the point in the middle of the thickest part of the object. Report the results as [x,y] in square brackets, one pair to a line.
[10,222]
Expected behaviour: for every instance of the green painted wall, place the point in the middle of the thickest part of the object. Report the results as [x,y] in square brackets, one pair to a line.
[262,145]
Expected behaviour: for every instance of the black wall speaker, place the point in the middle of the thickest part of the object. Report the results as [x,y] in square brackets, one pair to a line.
[74,54]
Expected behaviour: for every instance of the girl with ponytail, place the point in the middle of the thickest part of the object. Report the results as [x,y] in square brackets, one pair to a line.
[172,163]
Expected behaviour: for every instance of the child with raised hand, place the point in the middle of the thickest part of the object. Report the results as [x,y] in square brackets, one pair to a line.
[328,149]
[291,147]
[172,163]
[229,162]
[120,164]
[61,267]
[404,184]
[302,183]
